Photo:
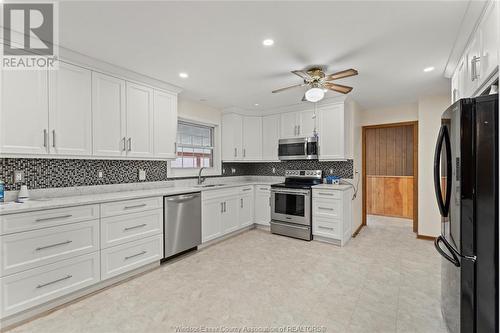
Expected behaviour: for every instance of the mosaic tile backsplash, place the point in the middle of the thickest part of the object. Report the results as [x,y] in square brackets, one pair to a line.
[48,173]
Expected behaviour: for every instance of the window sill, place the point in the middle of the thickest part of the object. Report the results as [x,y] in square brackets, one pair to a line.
[183,173]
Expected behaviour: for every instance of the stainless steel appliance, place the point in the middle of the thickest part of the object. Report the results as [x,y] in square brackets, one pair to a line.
[181,223]
[298,148]
[291,204]
[466,183]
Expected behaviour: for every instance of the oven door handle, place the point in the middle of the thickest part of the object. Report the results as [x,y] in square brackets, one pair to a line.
[289,225]
[291,192]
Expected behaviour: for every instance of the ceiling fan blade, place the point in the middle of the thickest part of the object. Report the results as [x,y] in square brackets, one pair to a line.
[341,74]
[286,88]
[338,87]
[303,74]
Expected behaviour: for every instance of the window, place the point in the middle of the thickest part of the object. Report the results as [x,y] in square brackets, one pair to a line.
[195,146]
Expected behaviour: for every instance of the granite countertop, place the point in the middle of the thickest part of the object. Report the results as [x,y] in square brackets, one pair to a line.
[96,198]
[341,187]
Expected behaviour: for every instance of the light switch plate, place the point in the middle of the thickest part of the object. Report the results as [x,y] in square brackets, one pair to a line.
[18,176]
[100,174]
[142,174]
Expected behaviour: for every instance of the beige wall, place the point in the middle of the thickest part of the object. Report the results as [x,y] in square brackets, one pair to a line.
[193,110]
[393,114]
[427,112]
[429,122]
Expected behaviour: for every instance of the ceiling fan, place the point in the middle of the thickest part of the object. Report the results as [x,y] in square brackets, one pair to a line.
[317,81]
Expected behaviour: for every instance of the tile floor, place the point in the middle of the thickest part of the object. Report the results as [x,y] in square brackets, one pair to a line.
[384,280]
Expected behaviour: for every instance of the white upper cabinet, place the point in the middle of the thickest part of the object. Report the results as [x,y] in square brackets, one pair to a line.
[334,132]
[270,137]
[252,138]
[307,123]
[490,38]
[139,121]
[108,113]
[289,125]
[232,139]
[70,111]
[165,124]
[24,115]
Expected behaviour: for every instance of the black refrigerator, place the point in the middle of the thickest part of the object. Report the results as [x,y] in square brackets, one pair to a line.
[466,184]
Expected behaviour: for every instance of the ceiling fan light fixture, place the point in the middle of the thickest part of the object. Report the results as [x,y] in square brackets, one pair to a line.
[315,94]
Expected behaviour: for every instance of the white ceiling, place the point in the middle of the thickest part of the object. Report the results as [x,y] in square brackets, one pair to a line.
[220,45]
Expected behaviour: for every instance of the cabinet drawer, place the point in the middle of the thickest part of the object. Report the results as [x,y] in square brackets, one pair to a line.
[327,194]
[39,285]
[327,228]
[262,188]
[246,189]
[47,218]
[125,228]
[327,208]
[123,258]
[30,249]
[130,206]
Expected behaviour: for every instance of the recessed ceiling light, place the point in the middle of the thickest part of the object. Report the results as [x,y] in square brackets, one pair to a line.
[268,42]
[428,69]
[183,75]
[256,104]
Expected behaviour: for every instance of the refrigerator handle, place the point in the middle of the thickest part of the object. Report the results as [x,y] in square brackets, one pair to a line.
[453,258]
[443,136]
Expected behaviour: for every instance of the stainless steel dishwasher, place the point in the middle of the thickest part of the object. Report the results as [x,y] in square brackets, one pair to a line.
[181,223]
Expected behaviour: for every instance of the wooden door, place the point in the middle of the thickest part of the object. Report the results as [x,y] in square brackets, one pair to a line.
[389,153]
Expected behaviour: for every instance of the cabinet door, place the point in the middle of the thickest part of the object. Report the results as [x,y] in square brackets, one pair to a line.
[24,116]
[139,121]
[252,138]
[463,80]
[70,110]
[490,35]
[270,137]
[473,64]
[165,124]
[232,128]
[331,135]
[245,215]
[108,115]
[230,220]
[289,125]
[262,205]
[307,123]
[211,227]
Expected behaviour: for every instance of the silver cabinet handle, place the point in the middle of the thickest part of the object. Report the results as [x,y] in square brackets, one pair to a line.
[241,202]
[295,130]
[264,189]
[54,138]
[129,144]
[327,228]
[135,255]
[298,129]
[269,201]
[45,138]
[325,193]
[135,206]
[53,218]
[325,208]
[124,144]
[135,227]
[222,207]
[55,281]
[247,189]
[235,152]
[175,148]
[53,245]
[244,152]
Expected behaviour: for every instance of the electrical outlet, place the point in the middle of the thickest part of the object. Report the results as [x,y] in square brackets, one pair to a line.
[18,176]
[100,174]
[142,174]
[274,170]
[331,171]
[233,171]
[223,170]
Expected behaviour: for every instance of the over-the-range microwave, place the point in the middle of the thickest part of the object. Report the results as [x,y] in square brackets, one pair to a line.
[298,148]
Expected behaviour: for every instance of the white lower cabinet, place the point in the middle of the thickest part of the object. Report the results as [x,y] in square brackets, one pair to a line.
[120,259]
[225,211]
[332,215]
[262,204]
[36,286]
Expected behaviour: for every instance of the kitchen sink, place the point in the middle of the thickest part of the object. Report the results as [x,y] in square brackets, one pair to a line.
[210,185]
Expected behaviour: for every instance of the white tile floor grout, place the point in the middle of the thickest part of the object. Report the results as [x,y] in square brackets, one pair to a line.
[384,280]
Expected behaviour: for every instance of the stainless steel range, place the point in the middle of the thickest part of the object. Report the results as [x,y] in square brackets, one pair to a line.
[291,204]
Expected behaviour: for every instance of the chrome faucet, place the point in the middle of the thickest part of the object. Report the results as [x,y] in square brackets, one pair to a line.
[201,179]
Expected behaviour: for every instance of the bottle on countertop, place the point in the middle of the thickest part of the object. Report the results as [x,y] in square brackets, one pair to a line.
[2,190]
